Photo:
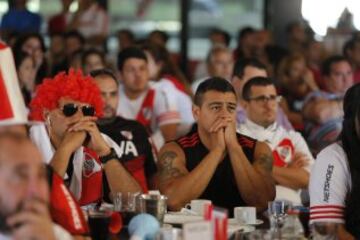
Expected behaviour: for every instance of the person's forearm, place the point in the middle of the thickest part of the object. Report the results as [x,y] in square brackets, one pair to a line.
[343,234]
[190,186]
[60,161]
[295,178]
[169,131]
[119,179]
[254,189]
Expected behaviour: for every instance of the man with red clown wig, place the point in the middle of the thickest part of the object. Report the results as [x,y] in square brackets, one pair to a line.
[70,141]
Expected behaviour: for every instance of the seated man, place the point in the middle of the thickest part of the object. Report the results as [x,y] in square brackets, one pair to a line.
[138,101]
[137,153]
[244,70]
[24,192]
[334,179]
[292,157]
[64,209]
[322,110]
[71,142]
[213,161]
[219,63]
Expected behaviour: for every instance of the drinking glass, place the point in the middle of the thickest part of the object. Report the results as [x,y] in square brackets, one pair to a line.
[99,221]
[125,204]
[277,211]
[154,205]
[169,234]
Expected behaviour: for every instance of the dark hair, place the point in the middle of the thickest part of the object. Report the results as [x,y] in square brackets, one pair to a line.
[129,34]
[77,35]
[255,81]
[245,31]
[19,57]
[161,54]
[164,36]
[21,40]
[130,52]
[350,143]
[217,84]
[242,63]
[104,72]
[92,51]
[223,33]
[42,71]
[349,46]
[292,25]
[326,67]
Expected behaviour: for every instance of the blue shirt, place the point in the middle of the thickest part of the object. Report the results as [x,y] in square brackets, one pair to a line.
[21,21]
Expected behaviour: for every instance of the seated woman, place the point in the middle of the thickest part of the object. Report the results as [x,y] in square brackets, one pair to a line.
[333,195]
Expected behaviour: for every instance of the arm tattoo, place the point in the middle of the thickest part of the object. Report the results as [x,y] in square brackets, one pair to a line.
[166,168]
[266,161]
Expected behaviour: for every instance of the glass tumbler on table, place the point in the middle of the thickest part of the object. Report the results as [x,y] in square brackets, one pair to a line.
[125,204]
[277,211]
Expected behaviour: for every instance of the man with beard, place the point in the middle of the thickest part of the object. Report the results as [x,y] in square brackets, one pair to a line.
[24,192]
[137,153]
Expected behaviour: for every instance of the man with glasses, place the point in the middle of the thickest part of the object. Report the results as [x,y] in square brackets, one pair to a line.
[244,70]
[71,142]
[292,157]
[213,161]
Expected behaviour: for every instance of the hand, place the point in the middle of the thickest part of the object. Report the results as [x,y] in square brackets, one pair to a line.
[230,133]
[299,160]
[217,135]
[97,142]
[33,222]
[72,141]
[310,81]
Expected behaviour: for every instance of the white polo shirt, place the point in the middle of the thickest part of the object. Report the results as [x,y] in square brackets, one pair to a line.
[283,142]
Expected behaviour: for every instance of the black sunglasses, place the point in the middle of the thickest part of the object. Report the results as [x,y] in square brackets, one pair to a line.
[70,109]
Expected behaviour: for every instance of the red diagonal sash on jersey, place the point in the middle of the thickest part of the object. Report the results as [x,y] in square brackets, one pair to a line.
[146,110]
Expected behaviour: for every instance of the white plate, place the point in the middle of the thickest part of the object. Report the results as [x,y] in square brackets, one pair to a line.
[233,221]
[238,227]
[233,226]
[175,218]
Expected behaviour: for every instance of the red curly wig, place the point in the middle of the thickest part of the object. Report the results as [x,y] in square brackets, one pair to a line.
[73,85]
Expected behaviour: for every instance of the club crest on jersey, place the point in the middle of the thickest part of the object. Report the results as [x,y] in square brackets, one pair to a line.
[285,150]
[90,165]
[127,134]
[147,112]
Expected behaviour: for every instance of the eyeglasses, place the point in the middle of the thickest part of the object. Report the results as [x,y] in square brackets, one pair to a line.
[70,109]
[265,99]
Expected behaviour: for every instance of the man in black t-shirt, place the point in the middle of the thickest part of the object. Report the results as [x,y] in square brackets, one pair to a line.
[213,161]
[137,153]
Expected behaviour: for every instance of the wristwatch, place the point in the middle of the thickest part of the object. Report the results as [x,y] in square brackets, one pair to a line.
[108,157]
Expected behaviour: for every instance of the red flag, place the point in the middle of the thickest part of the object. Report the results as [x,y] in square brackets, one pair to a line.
[12,106]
